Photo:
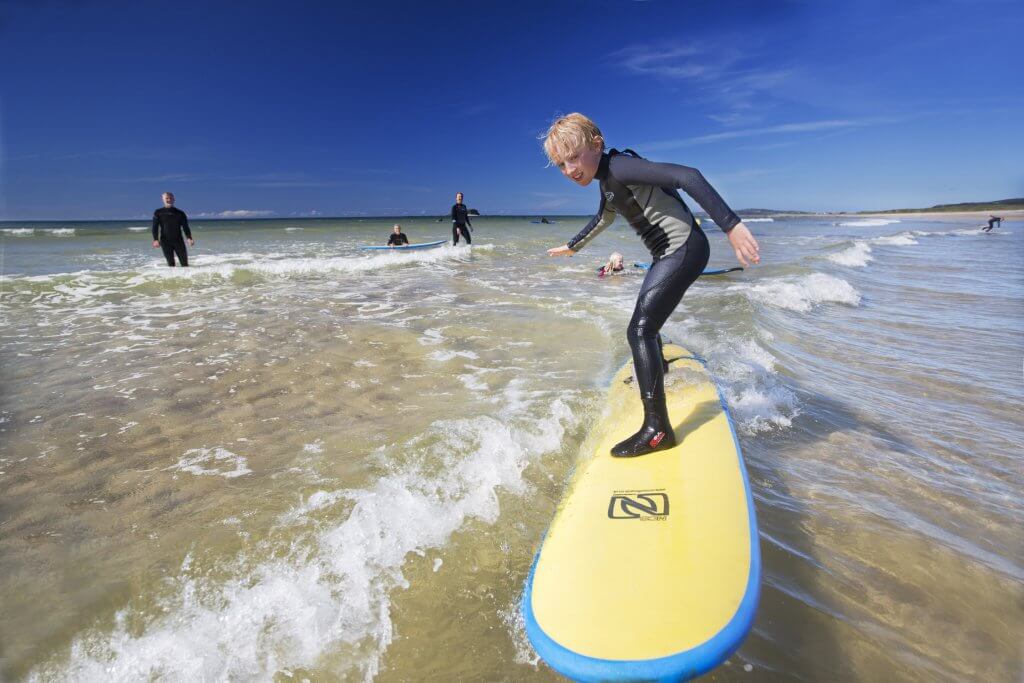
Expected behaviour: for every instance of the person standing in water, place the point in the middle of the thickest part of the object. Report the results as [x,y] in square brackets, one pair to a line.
[460,221]
[993,221]
[168,224]
[645,194]
[397,238]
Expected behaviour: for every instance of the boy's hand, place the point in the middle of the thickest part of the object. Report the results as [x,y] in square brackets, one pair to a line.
[563,250]
[744,244]
[156,243]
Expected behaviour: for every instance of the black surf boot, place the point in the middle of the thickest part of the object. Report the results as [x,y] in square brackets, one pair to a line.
[655,435]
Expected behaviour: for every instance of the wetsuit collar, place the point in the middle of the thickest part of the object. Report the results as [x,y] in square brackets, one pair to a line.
[602,167]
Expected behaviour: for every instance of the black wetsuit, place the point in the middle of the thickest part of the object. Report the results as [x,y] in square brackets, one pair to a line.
[168,224]
[644,193]
[397,240]
[993,221]
[460,223]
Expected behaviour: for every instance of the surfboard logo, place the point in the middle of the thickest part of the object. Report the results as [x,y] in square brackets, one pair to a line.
[638,505]
[609,196]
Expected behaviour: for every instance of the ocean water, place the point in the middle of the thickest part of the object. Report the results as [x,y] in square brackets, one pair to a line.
[298,461]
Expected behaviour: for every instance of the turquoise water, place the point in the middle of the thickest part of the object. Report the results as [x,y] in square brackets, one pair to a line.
[299,460]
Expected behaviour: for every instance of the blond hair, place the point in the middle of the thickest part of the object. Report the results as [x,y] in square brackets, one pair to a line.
[569,135]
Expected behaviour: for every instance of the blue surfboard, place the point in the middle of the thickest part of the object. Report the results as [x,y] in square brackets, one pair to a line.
[406,247]
[714,271]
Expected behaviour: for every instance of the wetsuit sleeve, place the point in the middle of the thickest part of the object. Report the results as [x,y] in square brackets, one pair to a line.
[156,226]
[455,216]
[604,217]
[184,225]
[633,171]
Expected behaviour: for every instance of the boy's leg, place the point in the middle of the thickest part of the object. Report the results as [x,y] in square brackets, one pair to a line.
[455,235]
[663,288]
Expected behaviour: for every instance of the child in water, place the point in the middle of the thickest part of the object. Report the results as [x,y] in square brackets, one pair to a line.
[644,193]
[614,265]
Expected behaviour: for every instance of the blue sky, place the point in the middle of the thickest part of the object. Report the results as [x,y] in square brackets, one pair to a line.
[341,108]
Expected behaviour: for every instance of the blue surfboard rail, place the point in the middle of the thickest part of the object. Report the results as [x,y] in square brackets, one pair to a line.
[643,265]
[681,666]
[404,247]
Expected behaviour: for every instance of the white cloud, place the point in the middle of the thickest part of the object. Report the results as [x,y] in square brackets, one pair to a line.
[238,213]
[804,127]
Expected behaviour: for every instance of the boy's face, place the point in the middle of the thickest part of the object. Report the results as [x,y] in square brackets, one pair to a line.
[396,229]
[458,198]
[582,167]
[168,200]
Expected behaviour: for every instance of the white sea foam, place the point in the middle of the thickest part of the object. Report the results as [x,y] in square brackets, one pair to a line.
[903,239]
[59,232]
[869,222]
[856,256]
[225,266]
[18,232]
[801,293]
[138,228]
[745,371]
[758,220]
[293,229]
[334,593]
[443,355]
[219,462]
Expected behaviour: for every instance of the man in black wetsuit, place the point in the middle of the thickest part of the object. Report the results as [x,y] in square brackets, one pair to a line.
[993,221]
[168,223]
[644,193]
[460,221]
[397,238]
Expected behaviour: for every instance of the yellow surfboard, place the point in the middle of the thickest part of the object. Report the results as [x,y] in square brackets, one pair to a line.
[651,568]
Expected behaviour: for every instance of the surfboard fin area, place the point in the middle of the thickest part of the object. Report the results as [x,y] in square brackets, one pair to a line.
[651,568]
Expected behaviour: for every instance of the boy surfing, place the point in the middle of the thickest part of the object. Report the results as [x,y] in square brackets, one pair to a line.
[645,194]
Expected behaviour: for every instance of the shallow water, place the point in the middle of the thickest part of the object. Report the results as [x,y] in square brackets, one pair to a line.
[297,460]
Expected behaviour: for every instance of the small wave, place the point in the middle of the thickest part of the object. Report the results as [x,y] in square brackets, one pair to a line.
[802,293]
[758,220]
[18,232]
[138,228]
[59,232]
[868,223]
[856,256]
[335,592]
[903,239]
[293,229]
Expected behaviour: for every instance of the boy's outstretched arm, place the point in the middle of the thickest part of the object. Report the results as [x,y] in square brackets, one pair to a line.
[634,171]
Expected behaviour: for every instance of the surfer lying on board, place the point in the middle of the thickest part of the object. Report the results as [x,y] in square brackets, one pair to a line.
[397,238]
[644,193]
[614,265]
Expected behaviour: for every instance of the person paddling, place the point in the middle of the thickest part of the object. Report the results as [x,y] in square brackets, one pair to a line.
[645,194]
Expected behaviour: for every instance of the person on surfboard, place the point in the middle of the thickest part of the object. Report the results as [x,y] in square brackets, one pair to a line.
[645,194]
[397,238]
[993,221]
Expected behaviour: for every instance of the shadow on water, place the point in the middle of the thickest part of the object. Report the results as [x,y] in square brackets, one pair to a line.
[801,632]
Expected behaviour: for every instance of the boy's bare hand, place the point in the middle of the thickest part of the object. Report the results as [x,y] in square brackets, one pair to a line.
[744,244]
[563,250]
